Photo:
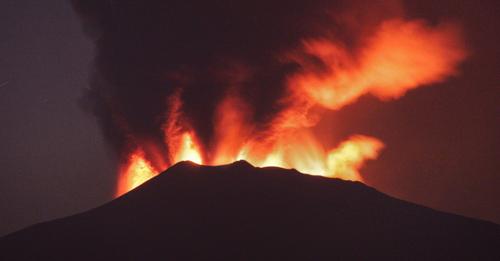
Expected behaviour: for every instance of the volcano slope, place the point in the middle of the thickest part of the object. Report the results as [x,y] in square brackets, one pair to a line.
[239,212]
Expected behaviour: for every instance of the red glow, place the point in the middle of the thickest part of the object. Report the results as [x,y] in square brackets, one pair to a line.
[399,56]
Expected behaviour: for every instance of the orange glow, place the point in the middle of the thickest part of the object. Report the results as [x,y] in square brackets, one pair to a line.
[304,153]
[137,171]
[181,143]
[232,130]
[187,150]
[346,160]
[399,56]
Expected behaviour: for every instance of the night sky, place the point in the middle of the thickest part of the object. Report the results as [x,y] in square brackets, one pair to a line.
[442,140]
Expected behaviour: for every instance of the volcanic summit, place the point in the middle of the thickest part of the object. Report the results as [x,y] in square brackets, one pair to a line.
[240,212]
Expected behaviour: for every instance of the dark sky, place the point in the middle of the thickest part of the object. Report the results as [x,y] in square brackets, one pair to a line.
[442,141]
[53,158]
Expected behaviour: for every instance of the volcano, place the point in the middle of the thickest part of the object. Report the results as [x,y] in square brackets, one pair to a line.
[240,212]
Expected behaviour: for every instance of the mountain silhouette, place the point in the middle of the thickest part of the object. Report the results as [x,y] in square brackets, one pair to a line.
[239,212]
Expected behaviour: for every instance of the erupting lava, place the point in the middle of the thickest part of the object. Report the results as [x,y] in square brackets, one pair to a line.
[136,171]
[398,56]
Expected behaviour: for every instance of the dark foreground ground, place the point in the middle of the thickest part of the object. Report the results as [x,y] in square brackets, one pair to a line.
[238,212]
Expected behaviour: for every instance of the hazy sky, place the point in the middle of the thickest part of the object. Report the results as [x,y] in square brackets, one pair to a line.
[442,141]
[52,155]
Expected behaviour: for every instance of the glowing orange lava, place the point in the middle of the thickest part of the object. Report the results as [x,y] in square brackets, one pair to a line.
[188,150]
[399,56]
[137,171]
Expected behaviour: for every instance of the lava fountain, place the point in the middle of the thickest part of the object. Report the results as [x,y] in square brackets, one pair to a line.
[216,82]
[399,56]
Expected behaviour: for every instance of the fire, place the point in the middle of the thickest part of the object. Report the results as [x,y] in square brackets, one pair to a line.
[398,57]
[346,160]
[137,171]
[308,157]
[188,150]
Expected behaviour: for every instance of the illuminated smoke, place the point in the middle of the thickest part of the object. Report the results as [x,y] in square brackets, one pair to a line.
[219,81]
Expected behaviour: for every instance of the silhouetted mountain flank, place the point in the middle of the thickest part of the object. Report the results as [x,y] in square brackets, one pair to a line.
[238,212]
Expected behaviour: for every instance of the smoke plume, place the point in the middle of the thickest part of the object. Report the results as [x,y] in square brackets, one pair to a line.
[242,74]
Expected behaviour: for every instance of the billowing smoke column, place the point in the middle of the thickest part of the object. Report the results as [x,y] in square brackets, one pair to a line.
[218,81]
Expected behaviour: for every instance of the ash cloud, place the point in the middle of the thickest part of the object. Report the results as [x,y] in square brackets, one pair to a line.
[147,50]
